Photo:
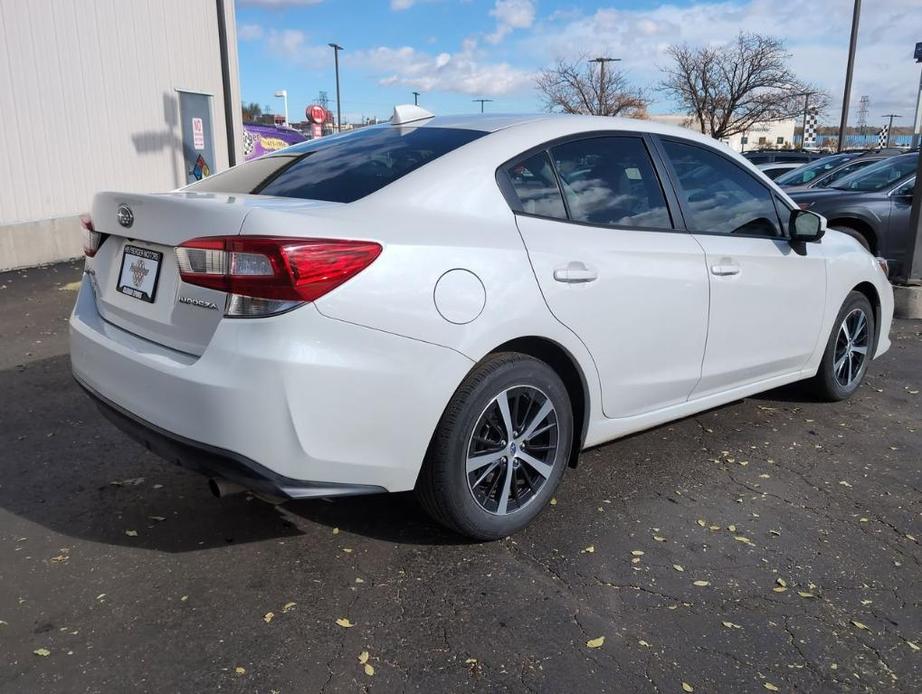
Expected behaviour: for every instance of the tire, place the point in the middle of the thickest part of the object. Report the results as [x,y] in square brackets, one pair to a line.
[855,234]
[843,366]
[473,433]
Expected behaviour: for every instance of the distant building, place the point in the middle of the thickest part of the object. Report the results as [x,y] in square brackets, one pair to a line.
[767,135]
[101,95]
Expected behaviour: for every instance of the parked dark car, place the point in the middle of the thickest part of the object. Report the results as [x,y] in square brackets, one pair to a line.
[871,205]
[826,171]
[767,156]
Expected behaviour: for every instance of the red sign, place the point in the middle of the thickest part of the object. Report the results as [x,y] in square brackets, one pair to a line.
[315,113]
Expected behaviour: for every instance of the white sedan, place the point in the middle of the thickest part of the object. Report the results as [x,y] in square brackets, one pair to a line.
[460,305]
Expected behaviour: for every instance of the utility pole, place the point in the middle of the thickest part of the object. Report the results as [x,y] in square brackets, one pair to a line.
[917,123]
[601,62]
[891,116]
[482,102]
[336,49]
[852,45]
[416,98]
[913,273]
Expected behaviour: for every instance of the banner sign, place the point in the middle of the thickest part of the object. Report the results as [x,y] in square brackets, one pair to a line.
[262,139]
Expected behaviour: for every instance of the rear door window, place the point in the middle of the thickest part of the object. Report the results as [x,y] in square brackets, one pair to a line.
[343,168]
[535,186]
[611,181]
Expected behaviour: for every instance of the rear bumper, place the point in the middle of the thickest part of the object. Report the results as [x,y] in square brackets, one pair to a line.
[219,463]
[297,401]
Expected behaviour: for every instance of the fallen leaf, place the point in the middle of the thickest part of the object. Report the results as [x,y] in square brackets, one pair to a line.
[781,582]
[777,533]
[860,625]
[770,687]
[470,661]
[589,550]
[744,540]
[701,522]
[289,606]
[131,533]
[913,645]
[344,623]
[42,652]
[184,598]
[659,538]
[731,625]
[158,519]
[363,657]
[644,643]
[268,617]
[686,687]
[596,643]
[845,484]
[701,584]
[805,594]
[678,567]
[553,503]
[731,528]
[779,589]
[347,550]
[369,669]
[336,531]
[359,580]
[637,552]
[240,670]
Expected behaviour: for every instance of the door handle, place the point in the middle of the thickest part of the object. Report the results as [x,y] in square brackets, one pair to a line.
[575,272]
[725,270]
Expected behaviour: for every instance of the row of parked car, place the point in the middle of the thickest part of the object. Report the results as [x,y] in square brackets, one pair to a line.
[865,194]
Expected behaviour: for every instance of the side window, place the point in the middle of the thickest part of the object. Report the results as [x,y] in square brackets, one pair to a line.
[611,180]
[535,186]
[844,171]
[719,196]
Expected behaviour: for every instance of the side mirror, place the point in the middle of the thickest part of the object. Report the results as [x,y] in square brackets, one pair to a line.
[806,226]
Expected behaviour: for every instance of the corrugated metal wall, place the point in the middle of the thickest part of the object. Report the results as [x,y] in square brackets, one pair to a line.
[88,98]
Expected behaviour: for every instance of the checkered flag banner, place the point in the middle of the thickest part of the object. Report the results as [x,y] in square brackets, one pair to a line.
[882,137]
[810,130]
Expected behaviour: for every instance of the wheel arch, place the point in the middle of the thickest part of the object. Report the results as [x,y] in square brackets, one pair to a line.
[859,225]
[566,366]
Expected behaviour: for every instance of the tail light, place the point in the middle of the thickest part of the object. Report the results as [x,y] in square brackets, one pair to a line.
[92,239]
[266,275]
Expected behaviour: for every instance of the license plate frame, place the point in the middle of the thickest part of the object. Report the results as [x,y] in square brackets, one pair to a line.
[133,266]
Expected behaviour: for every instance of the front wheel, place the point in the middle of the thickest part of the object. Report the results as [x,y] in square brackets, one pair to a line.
[848,350]
[500,448]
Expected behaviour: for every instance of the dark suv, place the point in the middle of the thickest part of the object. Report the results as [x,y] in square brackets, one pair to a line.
[826,171]
[871,205]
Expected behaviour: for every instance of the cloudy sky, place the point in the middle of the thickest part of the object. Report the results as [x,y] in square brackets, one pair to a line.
[454,51]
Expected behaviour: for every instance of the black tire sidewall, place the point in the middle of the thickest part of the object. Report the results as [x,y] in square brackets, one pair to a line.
[464,511]
[832,387]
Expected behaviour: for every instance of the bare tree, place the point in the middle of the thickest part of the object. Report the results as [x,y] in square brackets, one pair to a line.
[578,87]
[251,112]
[728,89]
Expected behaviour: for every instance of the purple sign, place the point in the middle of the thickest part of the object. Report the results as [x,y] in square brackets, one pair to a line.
[262,139]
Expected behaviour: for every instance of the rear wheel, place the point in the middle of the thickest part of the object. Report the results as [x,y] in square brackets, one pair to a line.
[848,350]
[500,448]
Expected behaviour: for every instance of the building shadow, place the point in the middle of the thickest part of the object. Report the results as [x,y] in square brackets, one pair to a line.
[170,138]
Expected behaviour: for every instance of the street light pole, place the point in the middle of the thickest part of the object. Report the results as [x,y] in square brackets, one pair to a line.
[283,93]
[416,98]
[891,116]
[336,49]
[482,102]
[852,45]
[601,62]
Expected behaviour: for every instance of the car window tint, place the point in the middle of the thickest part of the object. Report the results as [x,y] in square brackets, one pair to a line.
[341,168]
[881,175]
[791,157]
[611,181]
[719,196]
[834,176]
[535,186]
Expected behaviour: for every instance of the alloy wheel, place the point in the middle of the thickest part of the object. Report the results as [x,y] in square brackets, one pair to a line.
[512,450]
[851,350]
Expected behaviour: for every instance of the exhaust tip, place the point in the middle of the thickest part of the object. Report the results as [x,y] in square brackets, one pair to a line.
[221,488]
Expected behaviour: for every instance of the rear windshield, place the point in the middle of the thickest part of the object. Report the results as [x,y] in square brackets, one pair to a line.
[880,175]
[343,168]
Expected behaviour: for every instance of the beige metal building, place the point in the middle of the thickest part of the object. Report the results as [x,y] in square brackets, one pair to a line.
[103,95]
[764,135]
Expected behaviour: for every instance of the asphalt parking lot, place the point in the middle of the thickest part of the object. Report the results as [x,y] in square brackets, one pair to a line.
[769,545]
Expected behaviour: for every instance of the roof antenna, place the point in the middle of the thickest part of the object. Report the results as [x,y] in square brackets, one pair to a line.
[409,113]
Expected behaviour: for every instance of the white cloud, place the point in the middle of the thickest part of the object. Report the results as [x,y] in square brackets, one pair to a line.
[816,33]
[511,15]
[466,71]
[292,45]
[398,5]
[249,32]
